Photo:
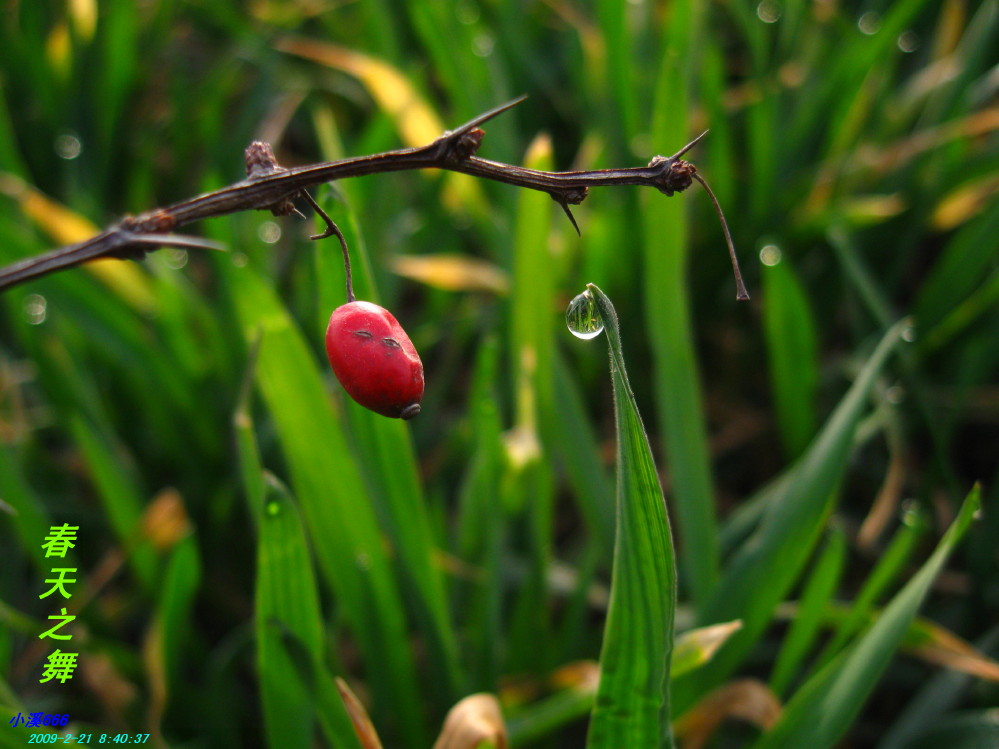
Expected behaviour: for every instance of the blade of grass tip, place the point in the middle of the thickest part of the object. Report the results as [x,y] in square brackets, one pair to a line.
[363,727]
[695,647]
[823,709]
[632,706]
[782,543]
[892,563]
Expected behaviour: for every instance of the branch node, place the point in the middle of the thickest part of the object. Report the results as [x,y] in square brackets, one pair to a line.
[676,175]
[260,160]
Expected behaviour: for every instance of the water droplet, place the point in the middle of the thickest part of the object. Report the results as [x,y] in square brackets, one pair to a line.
[269,232]
[467,13]
[770,255]
[482,45]
[35,309]
[909,334]
[911,515]
[908,41]
[175,258]
[869,23]
[582,317]
[68,146]
[768,11]
[272,508]
[895,394]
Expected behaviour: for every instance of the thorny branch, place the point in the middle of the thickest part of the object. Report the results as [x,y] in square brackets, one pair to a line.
[269,186]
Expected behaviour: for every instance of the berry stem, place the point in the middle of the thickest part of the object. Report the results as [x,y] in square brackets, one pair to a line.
[333,230]
[740,288]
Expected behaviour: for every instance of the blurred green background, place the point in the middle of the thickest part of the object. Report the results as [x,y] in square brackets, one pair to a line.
[247,532]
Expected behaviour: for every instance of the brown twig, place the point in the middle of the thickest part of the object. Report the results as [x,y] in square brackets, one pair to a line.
[269,186]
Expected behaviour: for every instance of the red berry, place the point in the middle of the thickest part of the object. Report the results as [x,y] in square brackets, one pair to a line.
[374,359]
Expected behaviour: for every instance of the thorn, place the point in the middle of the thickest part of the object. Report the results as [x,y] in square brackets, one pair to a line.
[172,240]
[687,147]
[565,207]
[485,116]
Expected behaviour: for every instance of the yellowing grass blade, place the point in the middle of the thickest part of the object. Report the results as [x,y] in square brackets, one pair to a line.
[68,227]
[417,122]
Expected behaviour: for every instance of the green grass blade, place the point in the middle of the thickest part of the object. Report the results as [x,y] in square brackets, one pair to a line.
[164,651]
[959,270]
[528,481]
[579,452]
[935,698]
[822,710]
[818,592]
[668,320]
[977,729]
[792,348]
[632,707]
[481,525]
[348,544]
[120,495]
[288,627]
[780,546]
[31,523]
[892,563]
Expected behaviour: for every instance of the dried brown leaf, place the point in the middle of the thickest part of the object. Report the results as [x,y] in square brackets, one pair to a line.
[748,700]
[474,721]
[363,726]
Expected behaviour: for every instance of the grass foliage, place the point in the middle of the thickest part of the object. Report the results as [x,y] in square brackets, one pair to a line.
[248,534]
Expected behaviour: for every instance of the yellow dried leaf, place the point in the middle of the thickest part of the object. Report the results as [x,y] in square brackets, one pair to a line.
[581,675]
[962,204]
[475,721]
[57,49]
[68,227]
[942,647]
[103,679]
[452,272]
[84,16]
[749,700]
[417,122]
[363,726]
[165,520]
[865,210]
[696,647]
